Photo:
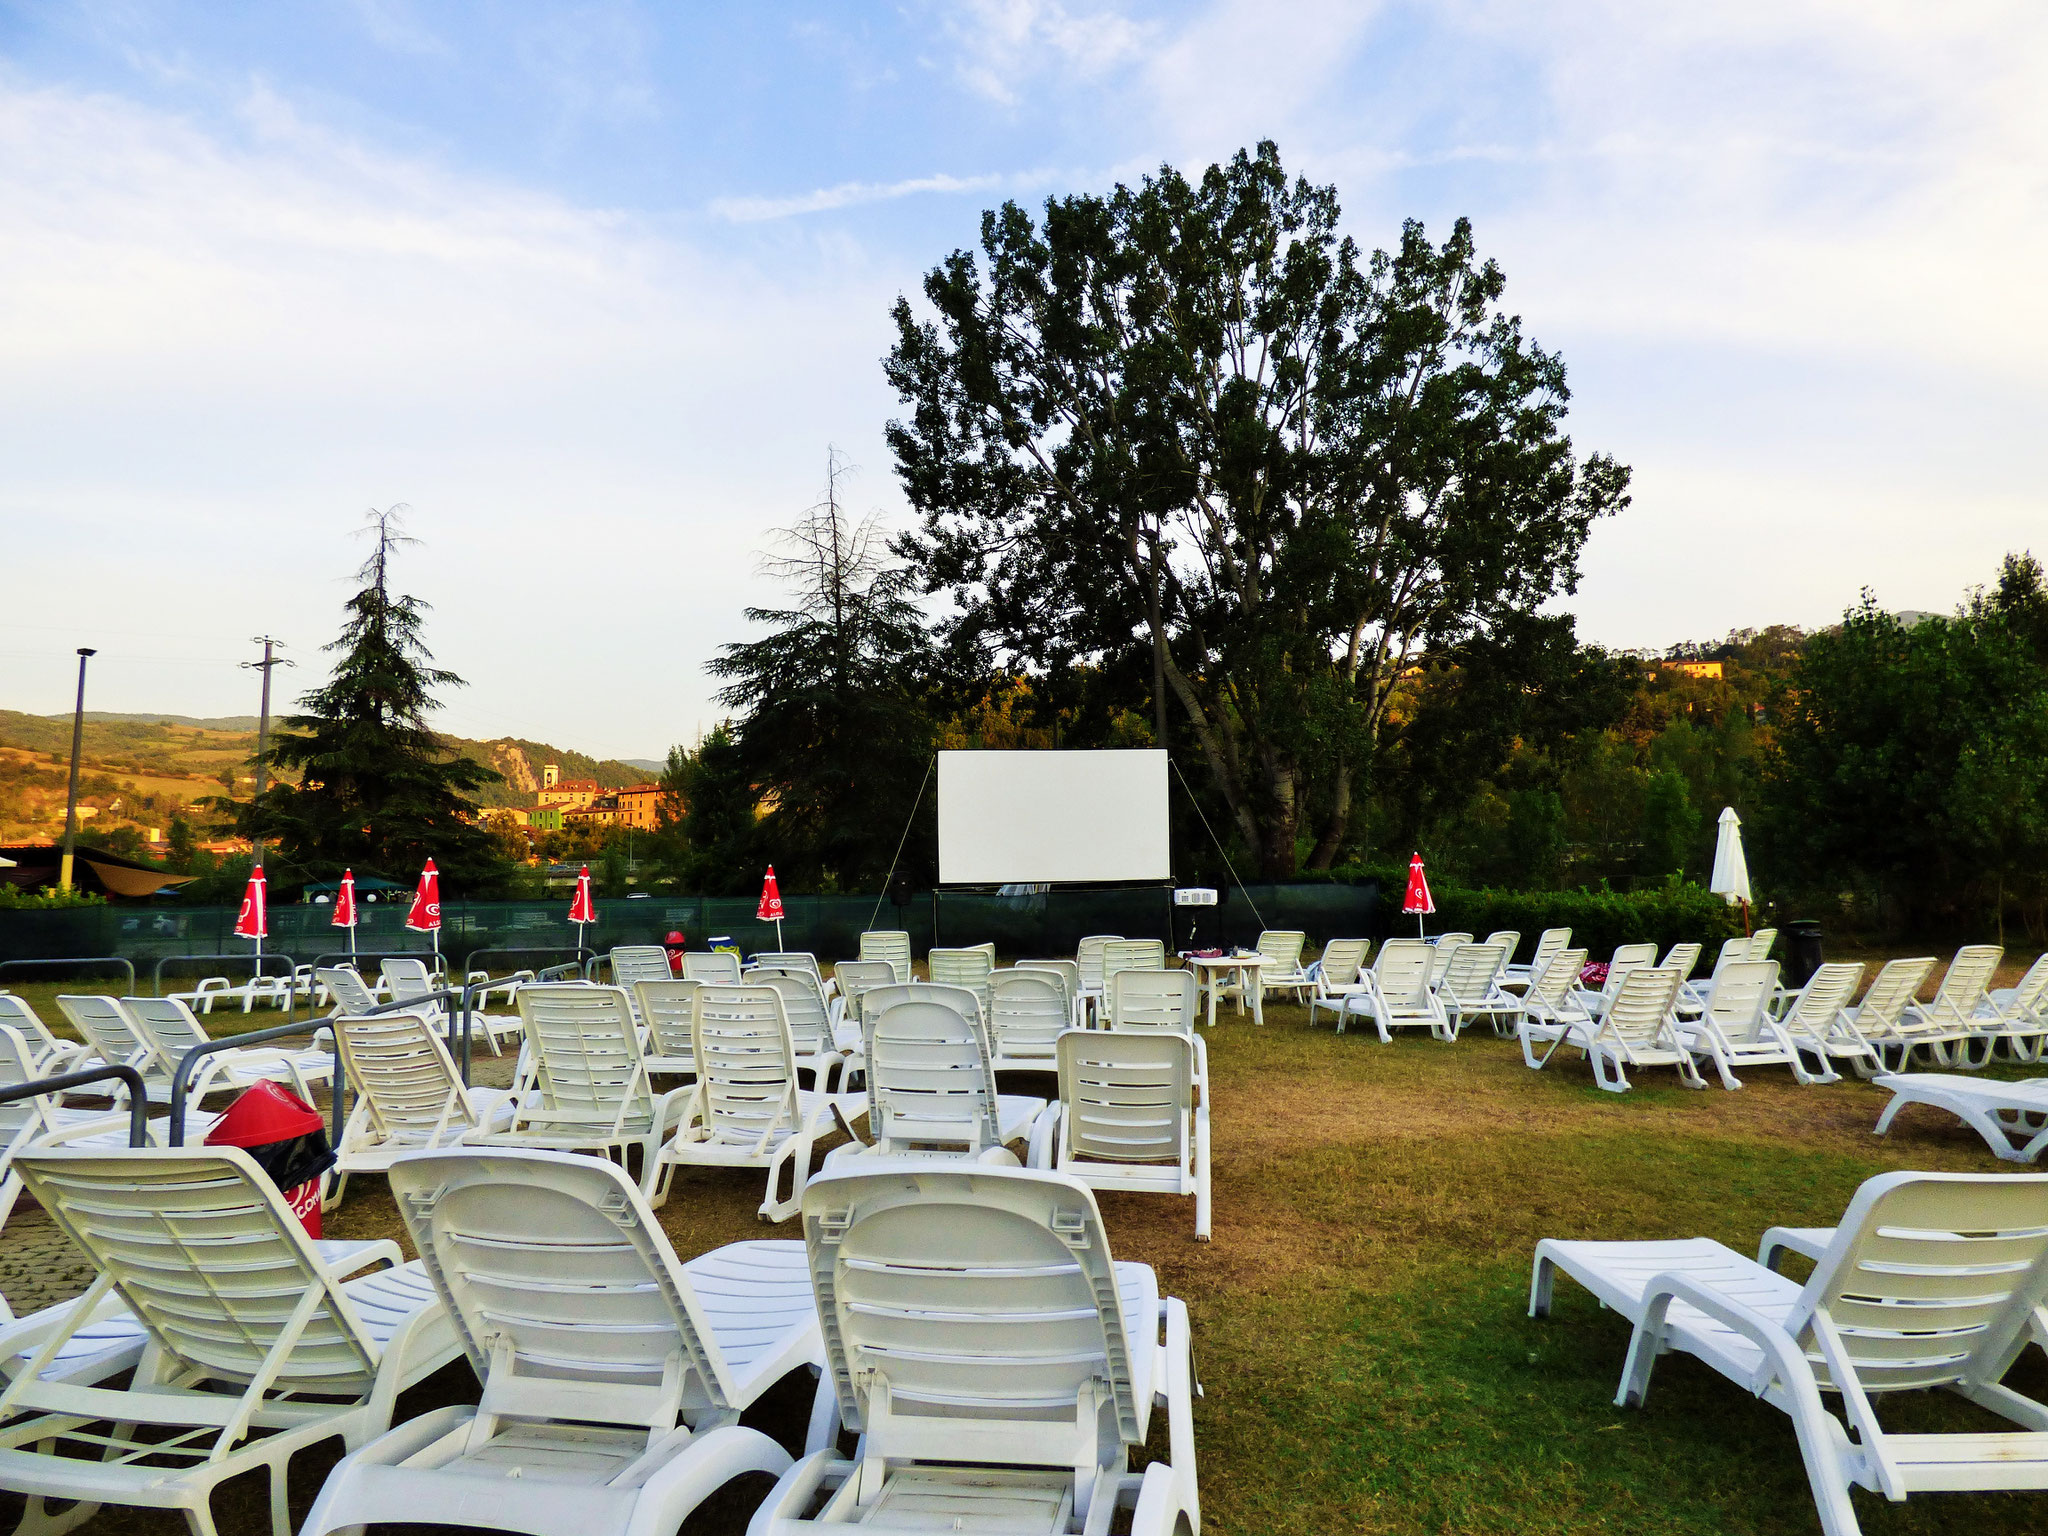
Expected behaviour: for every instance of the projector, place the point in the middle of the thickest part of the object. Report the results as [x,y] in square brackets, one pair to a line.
[1194,896]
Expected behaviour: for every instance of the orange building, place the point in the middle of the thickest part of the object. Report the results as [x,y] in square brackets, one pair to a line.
[556,790]
[640,806]
[1710,670]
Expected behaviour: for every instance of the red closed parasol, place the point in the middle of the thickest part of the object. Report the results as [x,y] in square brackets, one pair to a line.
[1417,900]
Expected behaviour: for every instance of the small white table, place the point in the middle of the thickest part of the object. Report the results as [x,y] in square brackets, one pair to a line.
[1215,973]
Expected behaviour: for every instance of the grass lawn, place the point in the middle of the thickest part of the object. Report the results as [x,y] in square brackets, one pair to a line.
[1359,1320]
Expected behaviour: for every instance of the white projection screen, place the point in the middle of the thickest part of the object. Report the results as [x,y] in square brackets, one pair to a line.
[1011,818]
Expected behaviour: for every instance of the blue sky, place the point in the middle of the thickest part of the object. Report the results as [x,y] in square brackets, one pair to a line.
[591,287]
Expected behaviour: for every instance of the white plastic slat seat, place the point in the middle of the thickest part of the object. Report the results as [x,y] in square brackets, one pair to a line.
[2015,1017]
[1443,947]
[592,1343]
[1028,1010]
[1133,1114]
[1638,1029]
[1548,943]
[249,1323]
[966,968]
[667,1010]
[818,1047]
[171,1029]
[1930,1280]
[48,1054]
[1879,1017]
[1398,993]
[851,978]
[1337,976]
[1551,1008]
[409,980]
[409,1097]
[635,963]
[1470,986]
[1735,1028]
[1158,1001]
[42,1121]
[932,1089]
[2011,1117]
[890,945]
[997,1364]
[1283,971]
[1817,1023]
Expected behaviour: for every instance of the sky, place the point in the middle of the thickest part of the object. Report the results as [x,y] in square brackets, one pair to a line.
[591,288]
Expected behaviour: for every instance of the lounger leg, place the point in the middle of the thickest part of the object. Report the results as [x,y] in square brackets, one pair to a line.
[1202,1196]
[1542,1281]
[1891,1110]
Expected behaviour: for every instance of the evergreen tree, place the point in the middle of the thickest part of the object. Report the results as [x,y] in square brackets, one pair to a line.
[377,790]
[706,839]
[837,731]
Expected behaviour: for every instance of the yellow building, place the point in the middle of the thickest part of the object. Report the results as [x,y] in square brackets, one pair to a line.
[1711,670]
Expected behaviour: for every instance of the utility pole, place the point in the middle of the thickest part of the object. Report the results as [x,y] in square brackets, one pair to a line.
[71,799]
[263,730]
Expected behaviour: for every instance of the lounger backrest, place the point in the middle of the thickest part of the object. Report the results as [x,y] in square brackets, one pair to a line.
[1088,959]
[1895,988]
[1682,958]
[1553,984]
[1508,939]
[1343,959]
[1403,970]
[669,1010]
[169,1025]
[1741,993]
[968,968]
[746,1060]
[409,979]
[720,967]
[1131,955]
[1932,1278]
[989,1292]
[1548,943]
[105,1026]
[1627,957]
[810,1027]
[1447,945]
[17,1066]
[635,963]
[1125,1097]
[1027,1012]
[562,1286]
[2031,994]
[1153,1000]
[1962,988]
[959,999]
[587,1061]
[1069,972]
[891,945]
[929,1078]
[144,1215]
[1642,1003]
[858,976]
[1470,975]
[1826,993]
[346,986]
[404,1078]
[15,1013]
[792,960]
[1760,943]
[1282,947]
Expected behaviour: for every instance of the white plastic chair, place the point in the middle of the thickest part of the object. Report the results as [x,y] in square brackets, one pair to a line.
[1398,994]
[1470,988]
[931,1089]
[635,963]
[48,1054]
[1639,1029]
[409,1097]
[260,1334]
[586,1087]
[1446,945]
[1930,1280]
[1548,943]
[795,960]
[1283,971]
[41,1121]
[1159,1001]
[818,1050]
[997,1366]
[592,1341]
[1028,1011]
[1880,1016]
[1682,958]
[2011,1117]
[169,1027]
[1948,1020]
[667,1011]
[408,980]
[1337,976]
[1508,939]
[1692,995]
[1627,957]
[1069,972]
[2015,1017]
[1133,1114]
[1761,942]
[747,1109]
[1088,962]
[715,967]
[1816,1021]
[968,968]
[852,978]
[1552,1008]
[1736,1027]
[888,944]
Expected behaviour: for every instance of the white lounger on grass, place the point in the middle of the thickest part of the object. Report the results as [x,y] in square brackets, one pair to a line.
[2011,1117]
[997,1365]
[1931,1280]
[613,1375]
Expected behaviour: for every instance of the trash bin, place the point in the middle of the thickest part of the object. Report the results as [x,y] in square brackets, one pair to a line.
[675,944]
[1802,952]
[288,1139]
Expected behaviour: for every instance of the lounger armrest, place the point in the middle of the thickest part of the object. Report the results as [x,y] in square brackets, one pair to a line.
[1811,1242]
[1045,1136]
[1784,1362]
[346,1259]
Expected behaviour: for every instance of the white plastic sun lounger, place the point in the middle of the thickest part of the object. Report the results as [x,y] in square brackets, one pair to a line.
[2016,1017]
[1028,1011]
[48,1055]
[1931,1280]
[1398,994]
[1552,1008]
[257,1352]
[409,1097]
[998,1366]
[1337,975]
[931,1090]
[613,1375]
[2011,1117]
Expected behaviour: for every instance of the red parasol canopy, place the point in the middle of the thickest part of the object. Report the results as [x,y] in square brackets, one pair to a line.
[425,916]
[770,910]
[1417,899]
[345,901]
[581,908]
[253,921]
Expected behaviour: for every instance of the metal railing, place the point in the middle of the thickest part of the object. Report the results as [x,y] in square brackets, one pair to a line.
[138,1093]
[121,960]
[585,956]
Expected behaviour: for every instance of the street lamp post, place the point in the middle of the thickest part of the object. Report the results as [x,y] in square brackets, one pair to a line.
[71,799]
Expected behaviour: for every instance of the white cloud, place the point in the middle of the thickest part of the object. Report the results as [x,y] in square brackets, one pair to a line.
[848,194]
[1006,45]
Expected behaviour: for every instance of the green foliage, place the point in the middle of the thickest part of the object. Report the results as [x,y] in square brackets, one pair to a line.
[836,733]
[378,791]
[1671,824]
[709,843]
[14,899]
[1911,769]
[1534,839]
[1187,440]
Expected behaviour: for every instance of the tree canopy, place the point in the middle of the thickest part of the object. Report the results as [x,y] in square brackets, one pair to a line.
[1188,430]
[377,790]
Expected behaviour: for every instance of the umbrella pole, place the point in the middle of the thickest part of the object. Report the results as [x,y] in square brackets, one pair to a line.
[778,937]
[1745,919]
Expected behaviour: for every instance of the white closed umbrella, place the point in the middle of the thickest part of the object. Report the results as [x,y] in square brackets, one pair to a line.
[1731,867]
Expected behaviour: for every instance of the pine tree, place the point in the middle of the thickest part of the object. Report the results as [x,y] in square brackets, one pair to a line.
[377,790]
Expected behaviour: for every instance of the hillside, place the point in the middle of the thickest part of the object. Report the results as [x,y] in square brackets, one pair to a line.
[141,770]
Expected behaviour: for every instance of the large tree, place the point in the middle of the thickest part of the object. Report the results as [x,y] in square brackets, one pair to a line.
[834,728]
[377,790]
[1188,420]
